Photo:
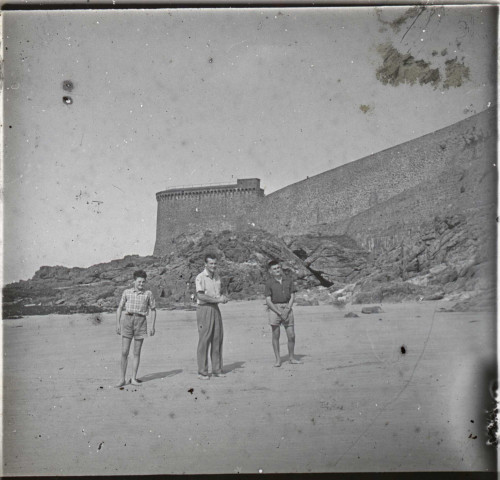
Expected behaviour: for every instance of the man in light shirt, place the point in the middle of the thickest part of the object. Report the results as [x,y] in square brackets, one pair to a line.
[208,319]
[137,302]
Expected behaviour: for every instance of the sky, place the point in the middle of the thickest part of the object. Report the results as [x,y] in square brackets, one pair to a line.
[162,98]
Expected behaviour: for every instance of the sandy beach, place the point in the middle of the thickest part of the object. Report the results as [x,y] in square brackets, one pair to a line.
[357,403]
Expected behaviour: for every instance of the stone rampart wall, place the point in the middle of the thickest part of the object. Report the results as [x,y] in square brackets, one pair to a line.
[468,187]
[348,190]
[377,200]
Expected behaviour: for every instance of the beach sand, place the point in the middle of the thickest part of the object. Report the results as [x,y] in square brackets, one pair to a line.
[356,404]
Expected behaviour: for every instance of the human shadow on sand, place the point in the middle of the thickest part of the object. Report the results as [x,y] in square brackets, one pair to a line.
[232,366]
[155,376]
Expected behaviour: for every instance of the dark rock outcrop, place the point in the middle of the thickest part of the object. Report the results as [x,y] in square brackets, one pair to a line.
[449,258]
[243,259]
[332,259]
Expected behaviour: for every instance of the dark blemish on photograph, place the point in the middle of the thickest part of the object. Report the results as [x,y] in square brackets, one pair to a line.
[67,100]
[492,431]
[210,60]
[191,390]
[100,445]
[403,349]
[67,85]
[456,73]
[95,319]
[398,68]
[397,23]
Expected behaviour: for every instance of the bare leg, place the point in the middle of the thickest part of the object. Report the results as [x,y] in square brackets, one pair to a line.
[290,332]
[137,359]
[276,344]
[124,360]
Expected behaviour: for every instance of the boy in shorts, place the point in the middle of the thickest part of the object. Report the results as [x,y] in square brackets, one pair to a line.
[280,295]
[137,302]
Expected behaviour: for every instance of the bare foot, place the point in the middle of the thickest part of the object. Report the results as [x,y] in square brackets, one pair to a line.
[295,361]
[121,384]
[135,382]
[277,364]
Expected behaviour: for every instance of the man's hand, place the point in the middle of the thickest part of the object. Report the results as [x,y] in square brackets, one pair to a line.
[118,330]
[223,299]
[285,313]
[152,331]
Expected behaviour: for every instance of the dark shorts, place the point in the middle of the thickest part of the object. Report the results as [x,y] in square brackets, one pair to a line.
[275,320]
[134,326]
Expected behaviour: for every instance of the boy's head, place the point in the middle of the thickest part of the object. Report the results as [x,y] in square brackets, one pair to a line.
[274,268]
[139,279]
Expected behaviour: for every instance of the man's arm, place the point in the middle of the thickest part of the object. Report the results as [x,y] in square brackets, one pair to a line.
[286,311]
[292,299]
[272,306]
[208,299]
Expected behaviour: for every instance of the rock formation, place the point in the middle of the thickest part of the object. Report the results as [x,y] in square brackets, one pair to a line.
[448,259]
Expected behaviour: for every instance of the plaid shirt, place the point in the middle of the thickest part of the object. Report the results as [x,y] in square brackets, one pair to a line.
[136,301]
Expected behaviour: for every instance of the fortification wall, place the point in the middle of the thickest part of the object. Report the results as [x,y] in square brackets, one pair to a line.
[348,190]
[217,208]
[378,199]
[468,186]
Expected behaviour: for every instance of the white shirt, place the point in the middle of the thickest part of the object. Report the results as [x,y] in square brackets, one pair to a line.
[208,286]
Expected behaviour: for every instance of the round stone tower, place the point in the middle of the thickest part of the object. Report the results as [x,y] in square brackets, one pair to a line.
[205,207]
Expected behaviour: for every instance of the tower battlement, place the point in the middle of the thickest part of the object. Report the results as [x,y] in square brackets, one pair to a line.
[241,187]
